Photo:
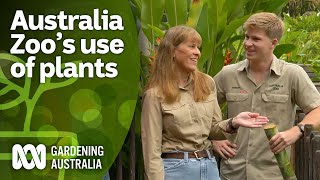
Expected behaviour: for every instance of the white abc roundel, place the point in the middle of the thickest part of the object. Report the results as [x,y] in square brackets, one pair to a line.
[19,157]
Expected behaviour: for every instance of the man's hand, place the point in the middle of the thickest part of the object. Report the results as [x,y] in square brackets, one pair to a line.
[225,148]
[284,139]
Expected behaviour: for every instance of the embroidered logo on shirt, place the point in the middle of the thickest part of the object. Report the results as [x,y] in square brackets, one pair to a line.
[276,86]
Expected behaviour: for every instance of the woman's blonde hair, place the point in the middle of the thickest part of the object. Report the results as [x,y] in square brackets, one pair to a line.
[163,74]
[268,22]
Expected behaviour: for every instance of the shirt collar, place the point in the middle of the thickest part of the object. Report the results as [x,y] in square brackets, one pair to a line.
[188,84]
[275,66]
[244,65]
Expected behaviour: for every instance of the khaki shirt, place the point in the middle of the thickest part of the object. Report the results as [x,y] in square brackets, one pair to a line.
[276,98]
[185,125]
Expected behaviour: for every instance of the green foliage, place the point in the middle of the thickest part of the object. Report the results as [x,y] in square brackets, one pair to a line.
[283,49]
[218,22]
[307,23]
[176,12]
[304,33]
[151,14]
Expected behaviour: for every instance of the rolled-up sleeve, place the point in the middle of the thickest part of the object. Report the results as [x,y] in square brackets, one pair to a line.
[305,94]
[151,135]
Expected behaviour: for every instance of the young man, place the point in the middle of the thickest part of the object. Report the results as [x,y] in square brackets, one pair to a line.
[269,86]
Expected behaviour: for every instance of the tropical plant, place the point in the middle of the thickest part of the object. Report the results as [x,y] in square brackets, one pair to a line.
[304,33]
[219,23]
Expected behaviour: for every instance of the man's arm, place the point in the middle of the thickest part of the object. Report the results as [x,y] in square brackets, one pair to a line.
[283,139]
[307,97]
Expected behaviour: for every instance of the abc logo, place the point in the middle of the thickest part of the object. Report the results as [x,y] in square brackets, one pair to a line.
[19,158]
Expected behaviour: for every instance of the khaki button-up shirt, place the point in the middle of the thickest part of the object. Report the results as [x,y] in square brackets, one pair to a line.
[185,125]
[276,98]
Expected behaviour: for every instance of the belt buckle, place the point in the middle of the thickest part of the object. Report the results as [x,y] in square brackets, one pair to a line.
[195,153]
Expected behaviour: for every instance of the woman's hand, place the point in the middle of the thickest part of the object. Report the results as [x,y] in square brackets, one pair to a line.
[249,119]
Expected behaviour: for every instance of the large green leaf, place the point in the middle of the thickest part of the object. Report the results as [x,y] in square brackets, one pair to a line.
[157,32]
[177,11]
[231,28]
[217,63]
[206,55]
[270,5]
[283,49]
[151,14]
[136,4]
[205,30]
[235,8]
[218,18]
[195,12]
[136,7]
[204,26]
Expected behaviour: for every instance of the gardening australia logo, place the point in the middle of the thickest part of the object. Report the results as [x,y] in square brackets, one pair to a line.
[19,156]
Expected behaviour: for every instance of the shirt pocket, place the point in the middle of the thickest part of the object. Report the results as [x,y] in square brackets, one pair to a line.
[237,102]
[205,111]
[275,98]
[275,104]
[236,97]
[176,113]
[208,106]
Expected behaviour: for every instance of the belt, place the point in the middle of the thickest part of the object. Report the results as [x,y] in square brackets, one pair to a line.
[196,154]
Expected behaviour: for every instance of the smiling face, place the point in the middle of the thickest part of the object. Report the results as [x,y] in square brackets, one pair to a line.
[178,54]
[186,55]
[258,46]
[263,32]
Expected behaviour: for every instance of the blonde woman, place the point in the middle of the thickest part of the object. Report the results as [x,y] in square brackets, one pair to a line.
[180,113]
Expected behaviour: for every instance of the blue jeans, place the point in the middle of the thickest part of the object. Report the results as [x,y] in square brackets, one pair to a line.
[191,168]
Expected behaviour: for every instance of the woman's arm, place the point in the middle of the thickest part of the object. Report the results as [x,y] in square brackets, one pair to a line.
[151,135]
